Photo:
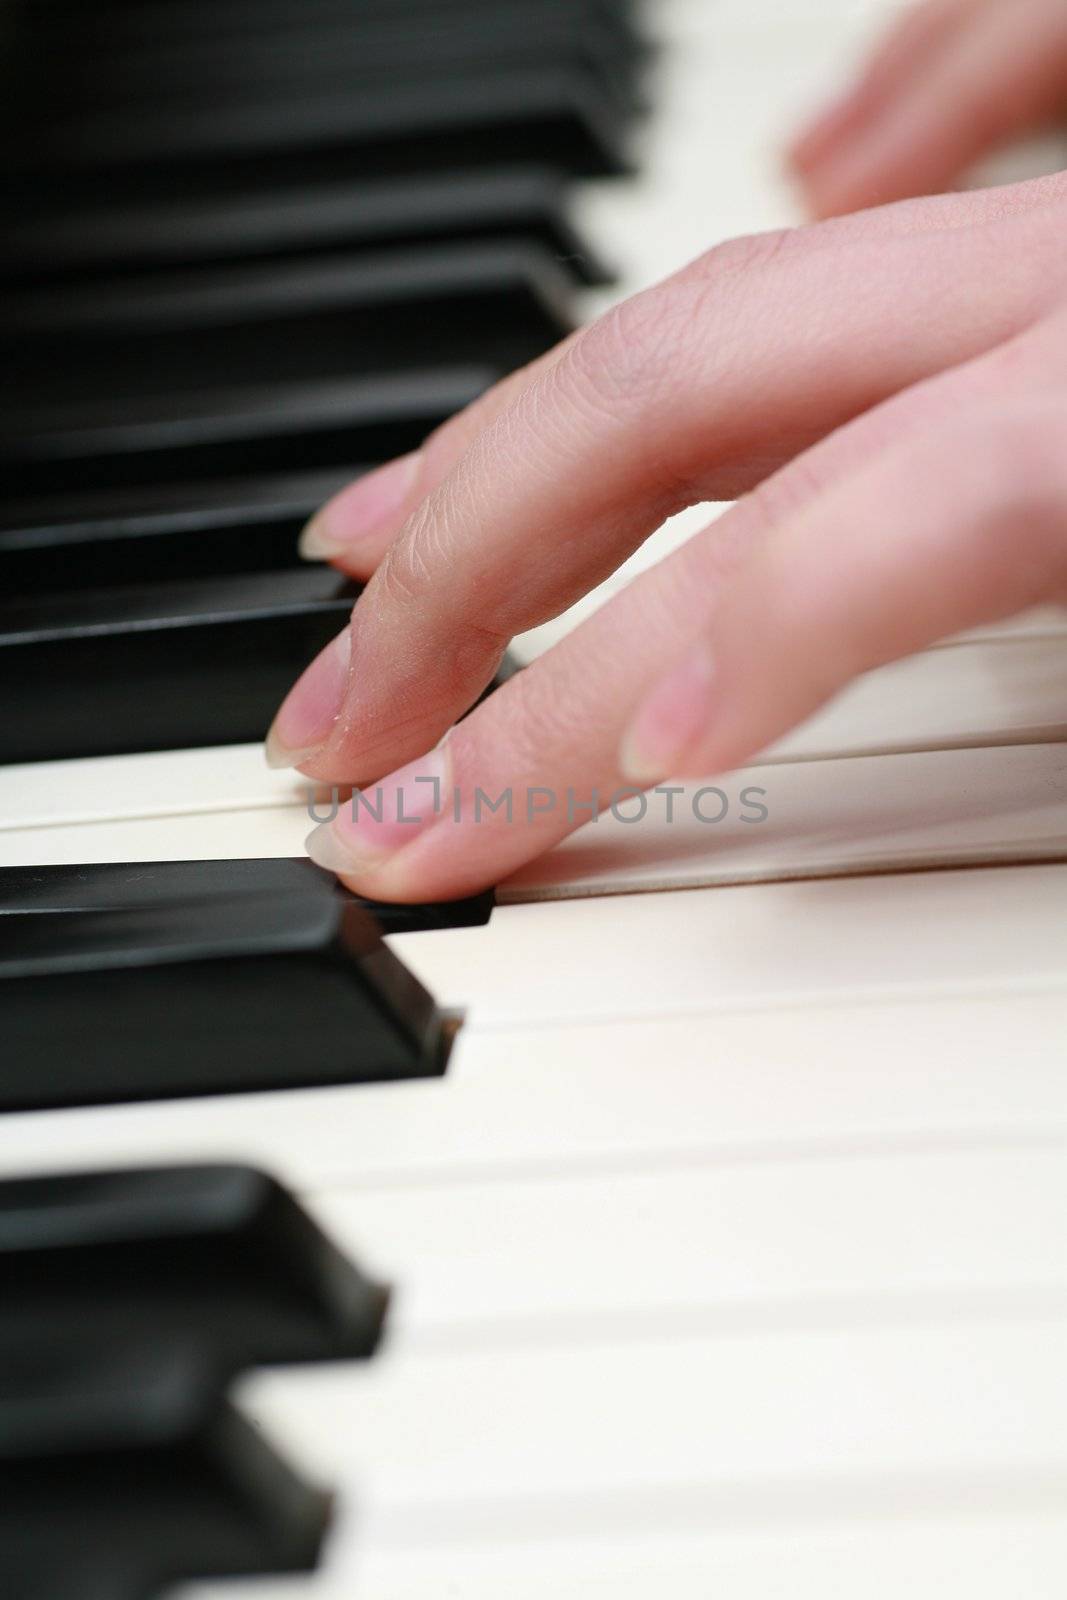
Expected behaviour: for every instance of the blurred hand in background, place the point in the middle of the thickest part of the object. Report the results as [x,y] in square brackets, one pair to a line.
[952,82]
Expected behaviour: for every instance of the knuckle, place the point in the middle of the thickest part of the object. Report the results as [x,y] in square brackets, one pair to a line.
[632,352]
[427,554]
[653,341]
[750,252]
[404,576]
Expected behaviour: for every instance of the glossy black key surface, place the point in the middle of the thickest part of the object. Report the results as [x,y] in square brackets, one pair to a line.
[140,885]
[114,441]
[107,538]
[163,667]
[285,321]
[221,1255]
[561,117]
[163,23]
[206,997]
[352,48]
[122,1471]
[513,204]
[127,886]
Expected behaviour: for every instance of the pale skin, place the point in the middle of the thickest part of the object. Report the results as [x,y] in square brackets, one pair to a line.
[884,395]
[952,81]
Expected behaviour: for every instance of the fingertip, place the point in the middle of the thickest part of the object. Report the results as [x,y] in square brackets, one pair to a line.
[306,717]
[356,526]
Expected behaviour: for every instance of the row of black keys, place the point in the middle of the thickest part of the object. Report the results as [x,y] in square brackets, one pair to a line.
[168,431]
[247,54]
[252,248]
[129,1301]
[147,982]
[162,583]
[388,87]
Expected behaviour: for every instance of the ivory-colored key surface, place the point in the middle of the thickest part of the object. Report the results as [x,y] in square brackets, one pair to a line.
[865,815]
[765,944]
[904,1072]
[850,1075]
[954,1543]
[853,1235]
[748,1424]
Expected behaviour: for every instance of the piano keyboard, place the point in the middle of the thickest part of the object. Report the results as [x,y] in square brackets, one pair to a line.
[720,1171]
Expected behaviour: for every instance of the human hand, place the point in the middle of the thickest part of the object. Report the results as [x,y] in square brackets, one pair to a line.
[953,81]
[887,393]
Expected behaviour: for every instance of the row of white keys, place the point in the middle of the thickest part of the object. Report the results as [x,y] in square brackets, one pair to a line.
[851,1204]
[798,1261]
[967,1550]
[673,1025]
[934,809]
[948,1068]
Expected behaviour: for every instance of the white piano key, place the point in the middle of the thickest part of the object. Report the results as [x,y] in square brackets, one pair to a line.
[214,835]
[895,1236]
[768,944]
[162,784]
[740,1425]
[870,814]
[750,1084]
[1011,690]
[994,687]
[982,1551]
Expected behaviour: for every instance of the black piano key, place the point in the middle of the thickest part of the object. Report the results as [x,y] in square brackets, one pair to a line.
[165,23]
[277,321]
[167,666]
[163,667]
[137,885]
[209,997]
[351,48]
[106,538]
[516,205]
[128,886]
[221,1255]
[120,441]
[122,1471]
[560,117]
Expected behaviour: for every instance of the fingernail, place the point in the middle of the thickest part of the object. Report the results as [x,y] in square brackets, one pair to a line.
[360,509]
[310,709]
[385,817]
[669,721]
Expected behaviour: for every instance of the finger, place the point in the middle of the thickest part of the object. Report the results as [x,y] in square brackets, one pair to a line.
[944,530]
[355,528]
[1003,75]
[916,35]
[696,390]
[962,529]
